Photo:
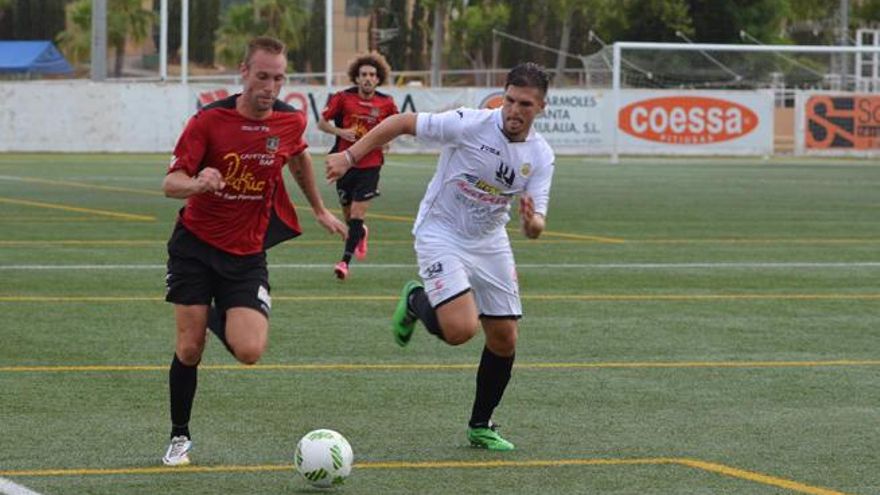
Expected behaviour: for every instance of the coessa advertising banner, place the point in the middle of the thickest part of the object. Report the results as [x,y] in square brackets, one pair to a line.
[696,123]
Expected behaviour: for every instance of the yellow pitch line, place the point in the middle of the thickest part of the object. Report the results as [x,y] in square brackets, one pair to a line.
[754,241]
[701,297]
[52,206]
[581,237]
[562,239]
[88,186]
[536,297]
[710,467]
[72,242]
[756,477]
[451,366]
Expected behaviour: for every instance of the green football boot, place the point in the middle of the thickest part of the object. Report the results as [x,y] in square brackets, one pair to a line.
[488,438]
[403,322]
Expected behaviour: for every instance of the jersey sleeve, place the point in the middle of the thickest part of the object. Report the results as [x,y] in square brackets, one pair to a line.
[299,144]
[539,183]
[443,128]
[333,108]
[190,148]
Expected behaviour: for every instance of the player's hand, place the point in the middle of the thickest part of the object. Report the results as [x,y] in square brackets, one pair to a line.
[337,164]
[209,179]
[532,223]
[347,134]
[332,224]
[526,207]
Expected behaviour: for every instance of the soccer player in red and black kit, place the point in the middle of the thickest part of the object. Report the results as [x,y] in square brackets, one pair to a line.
[228,166]
[355,111]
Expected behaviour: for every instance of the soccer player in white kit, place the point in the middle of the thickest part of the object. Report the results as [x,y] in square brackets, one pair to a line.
[488,159]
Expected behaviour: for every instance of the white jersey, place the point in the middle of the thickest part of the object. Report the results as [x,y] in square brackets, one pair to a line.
[479,173]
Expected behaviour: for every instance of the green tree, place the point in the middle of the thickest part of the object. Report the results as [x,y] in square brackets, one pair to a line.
[204,21]
[126,19]
[471,32]
[35,19]
[656,20]
[310,57]
[867,12]
[416,41]
[283,19]
[76,41]
[718,21]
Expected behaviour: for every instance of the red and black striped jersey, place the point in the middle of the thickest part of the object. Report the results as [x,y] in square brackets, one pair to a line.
[250,154]
[347,109]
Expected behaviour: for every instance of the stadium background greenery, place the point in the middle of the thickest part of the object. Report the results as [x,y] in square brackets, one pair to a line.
[220,27]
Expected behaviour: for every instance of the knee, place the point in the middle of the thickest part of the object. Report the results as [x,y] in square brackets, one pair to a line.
[249,354]
[459,334]
[502,343]
[189,353]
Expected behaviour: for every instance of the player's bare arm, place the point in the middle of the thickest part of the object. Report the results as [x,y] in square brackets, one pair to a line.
[532,223]
[390,128]
[346,134]
[301,168]
[180,185]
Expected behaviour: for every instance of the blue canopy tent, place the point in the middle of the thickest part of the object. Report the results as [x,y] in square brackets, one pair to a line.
[28,57]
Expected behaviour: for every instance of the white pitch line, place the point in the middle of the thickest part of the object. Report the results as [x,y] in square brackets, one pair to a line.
[542,266]
[7,487]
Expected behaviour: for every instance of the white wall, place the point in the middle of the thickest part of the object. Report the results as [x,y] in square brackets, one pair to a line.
[81,116]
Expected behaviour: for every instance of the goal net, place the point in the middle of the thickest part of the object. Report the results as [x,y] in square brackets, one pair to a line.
[715,99]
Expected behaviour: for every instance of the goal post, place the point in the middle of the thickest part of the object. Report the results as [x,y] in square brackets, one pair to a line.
[694,88]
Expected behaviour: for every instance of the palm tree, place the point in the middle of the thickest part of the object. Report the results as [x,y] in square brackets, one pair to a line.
[282,19]
[76,41]
[126,19]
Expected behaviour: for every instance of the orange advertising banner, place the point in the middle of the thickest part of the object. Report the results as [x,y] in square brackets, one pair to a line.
[840,122]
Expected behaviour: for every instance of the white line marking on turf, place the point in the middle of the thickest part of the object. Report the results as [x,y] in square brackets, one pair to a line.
[567,266]
[7,487]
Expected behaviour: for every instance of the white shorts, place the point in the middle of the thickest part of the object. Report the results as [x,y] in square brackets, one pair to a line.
[449,269]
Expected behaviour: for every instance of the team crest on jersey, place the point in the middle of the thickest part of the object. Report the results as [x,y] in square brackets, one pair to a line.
[272,143]
[505,174]
[374,112]
[525,169]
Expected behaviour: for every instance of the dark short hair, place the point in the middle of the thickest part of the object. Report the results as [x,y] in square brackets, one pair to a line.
[267,44]
[529,75]
[373,59]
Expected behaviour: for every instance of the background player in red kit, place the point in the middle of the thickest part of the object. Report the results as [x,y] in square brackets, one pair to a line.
[228,166]
[355,111]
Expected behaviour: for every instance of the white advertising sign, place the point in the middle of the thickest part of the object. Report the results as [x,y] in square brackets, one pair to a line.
[695,122]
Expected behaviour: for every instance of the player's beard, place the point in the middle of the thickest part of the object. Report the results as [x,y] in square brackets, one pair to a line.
[262,103]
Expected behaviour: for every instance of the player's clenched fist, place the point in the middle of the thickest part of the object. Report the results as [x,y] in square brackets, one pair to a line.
[210,179]
[337,164]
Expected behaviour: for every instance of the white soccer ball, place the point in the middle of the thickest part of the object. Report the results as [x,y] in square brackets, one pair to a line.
[323,458]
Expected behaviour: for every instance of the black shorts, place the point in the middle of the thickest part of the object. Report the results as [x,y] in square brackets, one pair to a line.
[199,273]
[358,184]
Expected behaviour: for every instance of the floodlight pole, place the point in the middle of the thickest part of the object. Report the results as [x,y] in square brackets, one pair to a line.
[99,40]
[184,41]
[163,40]
[844,39]
[328,45]
[615,102]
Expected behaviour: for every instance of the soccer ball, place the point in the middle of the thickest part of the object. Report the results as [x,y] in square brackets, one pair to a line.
[323,457]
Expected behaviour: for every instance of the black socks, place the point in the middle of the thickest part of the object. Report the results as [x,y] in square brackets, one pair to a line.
[419,304]
[492,377]
[182,380]
[355,234]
